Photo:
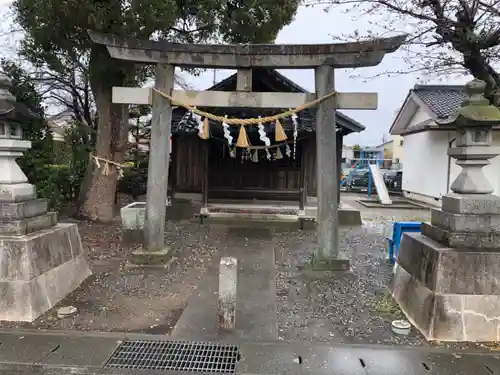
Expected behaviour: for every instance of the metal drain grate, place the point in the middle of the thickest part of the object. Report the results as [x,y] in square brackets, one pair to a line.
[175,356]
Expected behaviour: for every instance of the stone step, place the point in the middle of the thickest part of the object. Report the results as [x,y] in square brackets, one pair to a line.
[468,240]
[28,225]
[471,204]
[22,210]
[17,192]
[253,210]
[480,223]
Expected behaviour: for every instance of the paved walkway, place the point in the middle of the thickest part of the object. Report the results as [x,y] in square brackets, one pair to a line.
[35,353]
[256,306]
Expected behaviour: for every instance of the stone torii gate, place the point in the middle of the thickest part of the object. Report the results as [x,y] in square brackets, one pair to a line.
[323,58]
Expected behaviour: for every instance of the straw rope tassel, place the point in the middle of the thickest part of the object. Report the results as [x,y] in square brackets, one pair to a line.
[279,132]
[255,156]
[242,138]
[206,129]
[279,154]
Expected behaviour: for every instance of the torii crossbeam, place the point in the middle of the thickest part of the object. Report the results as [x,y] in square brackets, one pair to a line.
[324,58]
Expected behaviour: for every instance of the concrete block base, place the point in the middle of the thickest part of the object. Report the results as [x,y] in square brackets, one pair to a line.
[349,216]
[448,294]
[38,270]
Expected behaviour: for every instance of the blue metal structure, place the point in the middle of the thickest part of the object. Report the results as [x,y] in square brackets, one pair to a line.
[369,184]
[400,227]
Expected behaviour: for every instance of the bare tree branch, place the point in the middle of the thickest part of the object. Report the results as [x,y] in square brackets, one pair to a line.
[445,35]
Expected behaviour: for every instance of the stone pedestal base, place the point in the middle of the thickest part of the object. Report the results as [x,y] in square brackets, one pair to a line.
[38,270]
[151,258]
[329,264]
[448,294]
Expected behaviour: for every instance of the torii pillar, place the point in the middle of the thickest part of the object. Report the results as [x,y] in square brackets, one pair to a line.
[324,58]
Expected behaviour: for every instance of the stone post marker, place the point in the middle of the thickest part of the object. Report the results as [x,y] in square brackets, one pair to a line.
[447,279]
[228,281]
[40,261]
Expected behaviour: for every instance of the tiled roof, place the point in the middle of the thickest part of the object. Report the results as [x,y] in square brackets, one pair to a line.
[441,99]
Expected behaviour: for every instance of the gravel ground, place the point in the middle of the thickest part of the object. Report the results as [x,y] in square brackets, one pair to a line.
[117,298]
[348,308]
[351,308]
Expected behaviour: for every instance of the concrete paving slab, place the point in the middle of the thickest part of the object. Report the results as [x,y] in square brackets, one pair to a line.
[19,369]
[27,348]
[325,360]
[268,359]
[418,362]
[391,362]
[298,359]
[83,351]
[490,362]
[477,364]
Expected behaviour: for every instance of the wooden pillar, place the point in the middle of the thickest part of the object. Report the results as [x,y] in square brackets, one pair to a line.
[303,175]
[204,183]
[174,166]
[340,143]
[159,150]
[326,171]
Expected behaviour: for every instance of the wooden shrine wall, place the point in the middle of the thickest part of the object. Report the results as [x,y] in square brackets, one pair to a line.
[188,156]
[271,180]
[310,164]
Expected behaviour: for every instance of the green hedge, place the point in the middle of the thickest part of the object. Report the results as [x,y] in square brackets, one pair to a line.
[58,184]
[134,182]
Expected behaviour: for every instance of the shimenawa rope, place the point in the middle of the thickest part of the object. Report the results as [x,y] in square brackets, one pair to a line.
[249,121]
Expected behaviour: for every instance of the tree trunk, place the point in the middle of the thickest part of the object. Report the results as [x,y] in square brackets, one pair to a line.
[98,203]
[84,188]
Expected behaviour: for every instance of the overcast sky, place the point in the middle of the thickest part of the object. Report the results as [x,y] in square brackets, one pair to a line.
[313,25]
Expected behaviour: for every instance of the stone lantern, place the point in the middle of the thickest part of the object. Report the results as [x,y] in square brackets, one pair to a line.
[446,278]
[13,182]
[42,261]
[474,121]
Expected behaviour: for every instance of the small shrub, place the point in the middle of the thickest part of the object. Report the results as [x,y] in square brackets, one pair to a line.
[134,182]
[385,304]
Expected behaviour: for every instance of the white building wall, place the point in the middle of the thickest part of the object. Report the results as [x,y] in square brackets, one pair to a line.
[425,170]
[419,117]
[397,148]
[347,152]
